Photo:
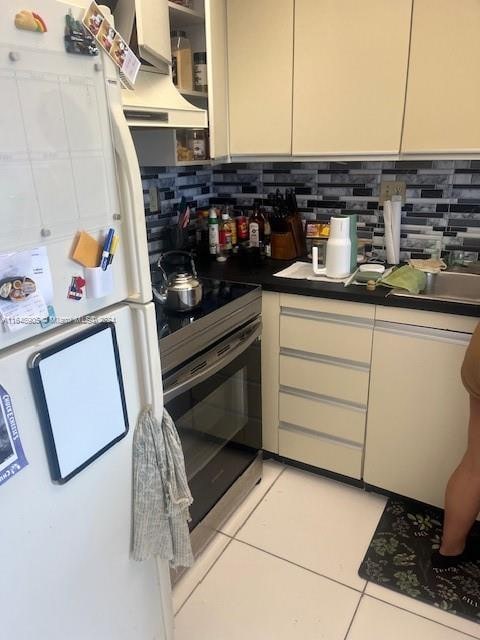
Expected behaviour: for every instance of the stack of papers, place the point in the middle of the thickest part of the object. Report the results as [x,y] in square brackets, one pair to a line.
[304,271]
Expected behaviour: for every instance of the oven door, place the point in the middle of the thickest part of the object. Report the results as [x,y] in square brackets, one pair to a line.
[215,401]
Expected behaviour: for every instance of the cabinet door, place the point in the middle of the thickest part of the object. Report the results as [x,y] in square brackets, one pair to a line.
[350,67]
[216,34]
[270,359]
[146,24]
[260,67]
[443,92]
[417,410]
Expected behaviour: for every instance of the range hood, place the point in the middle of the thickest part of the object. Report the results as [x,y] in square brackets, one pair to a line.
[155,101]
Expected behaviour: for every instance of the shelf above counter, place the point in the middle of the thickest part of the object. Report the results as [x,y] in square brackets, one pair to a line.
[194,94]
[182,17]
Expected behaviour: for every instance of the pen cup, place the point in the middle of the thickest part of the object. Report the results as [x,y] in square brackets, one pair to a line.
[99,283]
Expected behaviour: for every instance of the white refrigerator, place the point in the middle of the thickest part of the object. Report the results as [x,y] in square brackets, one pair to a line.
[67,164]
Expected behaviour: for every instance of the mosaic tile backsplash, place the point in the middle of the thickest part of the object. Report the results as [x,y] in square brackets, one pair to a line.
[442,208]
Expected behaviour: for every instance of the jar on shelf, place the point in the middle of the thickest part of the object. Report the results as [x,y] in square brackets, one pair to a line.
[181,61]
[200,71]
[184,151]
[197,142]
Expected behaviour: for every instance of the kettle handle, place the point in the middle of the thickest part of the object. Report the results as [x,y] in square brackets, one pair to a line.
[176,252]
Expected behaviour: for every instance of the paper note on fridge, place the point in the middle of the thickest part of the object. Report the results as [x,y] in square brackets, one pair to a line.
[25,288]
[12,456]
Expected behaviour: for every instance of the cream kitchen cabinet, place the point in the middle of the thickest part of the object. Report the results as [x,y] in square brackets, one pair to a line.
[216,44]
[443,92]
[260,67]
[324,362]
[270,363]
[350,69]
[418,408]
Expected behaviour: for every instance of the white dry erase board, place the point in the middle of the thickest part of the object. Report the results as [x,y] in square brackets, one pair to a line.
[79,392]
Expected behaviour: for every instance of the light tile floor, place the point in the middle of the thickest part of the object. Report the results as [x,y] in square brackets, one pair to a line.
[284,567]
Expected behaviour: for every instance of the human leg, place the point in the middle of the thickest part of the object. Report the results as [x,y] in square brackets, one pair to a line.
[462,498]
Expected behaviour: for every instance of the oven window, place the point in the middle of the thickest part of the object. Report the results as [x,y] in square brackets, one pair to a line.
[221,412]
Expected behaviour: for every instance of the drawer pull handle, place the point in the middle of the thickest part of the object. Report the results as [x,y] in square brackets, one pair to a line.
[295,428]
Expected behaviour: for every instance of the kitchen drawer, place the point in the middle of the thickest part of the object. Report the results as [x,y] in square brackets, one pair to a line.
[307,447]
[335,378]
[338,336]
[322,415]
[324,305]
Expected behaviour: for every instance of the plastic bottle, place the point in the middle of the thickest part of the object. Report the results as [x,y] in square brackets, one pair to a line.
[233,227]
[226,234]
[213,232]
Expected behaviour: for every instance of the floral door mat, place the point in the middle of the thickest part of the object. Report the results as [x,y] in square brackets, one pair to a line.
[398,558]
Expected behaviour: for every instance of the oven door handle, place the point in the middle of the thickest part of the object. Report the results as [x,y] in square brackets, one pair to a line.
[176,390]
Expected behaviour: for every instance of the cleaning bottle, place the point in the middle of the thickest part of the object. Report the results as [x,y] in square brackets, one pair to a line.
[226,234]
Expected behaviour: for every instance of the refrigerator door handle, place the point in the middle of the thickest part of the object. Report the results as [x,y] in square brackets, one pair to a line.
[146,333]
[127,164]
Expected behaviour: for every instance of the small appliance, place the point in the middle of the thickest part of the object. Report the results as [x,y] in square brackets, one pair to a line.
[339,247]
[180,291]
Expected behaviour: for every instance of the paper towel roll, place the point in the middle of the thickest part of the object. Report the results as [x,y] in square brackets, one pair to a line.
[387,219]
[392,216]
[396,225]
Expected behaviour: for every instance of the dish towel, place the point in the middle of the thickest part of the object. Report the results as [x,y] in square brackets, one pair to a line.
[161,496]
[405,277]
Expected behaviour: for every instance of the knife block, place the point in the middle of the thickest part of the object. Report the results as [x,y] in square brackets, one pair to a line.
[296,229]
[283,245]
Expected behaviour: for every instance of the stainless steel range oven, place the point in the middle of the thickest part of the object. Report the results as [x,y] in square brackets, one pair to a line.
[212,389]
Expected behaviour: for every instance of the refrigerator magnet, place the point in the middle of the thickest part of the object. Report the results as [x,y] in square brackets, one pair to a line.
[30,21]
[77,39]
[12,457]
[75,288]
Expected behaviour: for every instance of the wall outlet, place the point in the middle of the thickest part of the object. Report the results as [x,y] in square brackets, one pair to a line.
[389,188]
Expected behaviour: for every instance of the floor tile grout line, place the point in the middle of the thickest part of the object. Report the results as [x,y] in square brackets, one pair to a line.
[420,615]
[263,498]
[258,503]
[300,566]
[230,540]
[354,614]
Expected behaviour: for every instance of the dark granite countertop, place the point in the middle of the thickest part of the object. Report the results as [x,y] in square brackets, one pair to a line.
[235,270]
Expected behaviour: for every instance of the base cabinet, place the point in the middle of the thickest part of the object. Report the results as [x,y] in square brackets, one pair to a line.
[324,363]
[364,391]
[417,409]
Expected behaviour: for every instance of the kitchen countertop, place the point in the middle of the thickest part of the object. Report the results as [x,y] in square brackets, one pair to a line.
[236,271]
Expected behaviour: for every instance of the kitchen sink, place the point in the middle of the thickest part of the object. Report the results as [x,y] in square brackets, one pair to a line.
[453,286]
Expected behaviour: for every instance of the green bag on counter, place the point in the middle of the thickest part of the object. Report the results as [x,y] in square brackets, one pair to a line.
[405,277]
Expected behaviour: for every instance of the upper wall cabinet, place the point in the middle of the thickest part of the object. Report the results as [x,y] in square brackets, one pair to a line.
[260,66]
[443,94]
[216,36]
[350,67]
[145,25]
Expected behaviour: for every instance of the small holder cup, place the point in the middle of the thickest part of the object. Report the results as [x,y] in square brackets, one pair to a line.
[99,283]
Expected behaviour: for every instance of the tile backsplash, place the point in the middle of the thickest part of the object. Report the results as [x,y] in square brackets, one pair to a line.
[442,206]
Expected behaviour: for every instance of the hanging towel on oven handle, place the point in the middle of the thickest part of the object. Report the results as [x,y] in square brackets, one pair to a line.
[161,496]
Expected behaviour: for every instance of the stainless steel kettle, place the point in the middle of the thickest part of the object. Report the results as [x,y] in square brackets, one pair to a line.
[180,291]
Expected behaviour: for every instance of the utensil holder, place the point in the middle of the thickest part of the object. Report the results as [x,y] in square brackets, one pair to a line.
[283,246]
[98,283]
[296,228]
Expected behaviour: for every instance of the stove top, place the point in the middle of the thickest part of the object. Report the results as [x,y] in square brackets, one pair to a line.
[225,306]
